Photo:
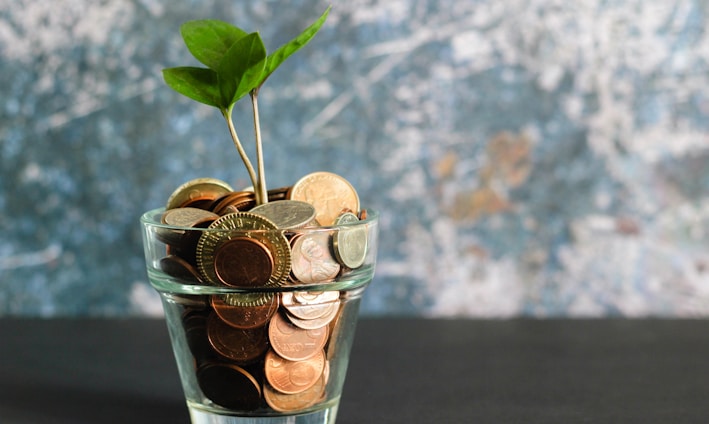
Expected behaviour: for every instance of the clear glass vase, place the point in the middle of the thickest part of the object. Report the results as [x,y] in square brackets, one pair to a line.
[261,320]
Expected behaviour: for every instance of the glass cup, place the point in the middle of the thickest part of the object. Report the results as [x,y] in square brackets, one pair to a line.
[261,321]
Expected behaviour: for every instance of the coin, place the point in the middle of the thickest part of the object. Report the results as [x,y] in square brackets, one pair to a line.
[312,261]
[179,268]
[315,323]
[293,376]
[287,214]
[294,343]
[229,386]
[243,346]
[307,311]
[240,225]
[243,262]
[294,402]
[195,325]
[246,315]
[196,191]
[276,194]
[310,297]
[350,241]
[185,218]
[329,193]
[241,200]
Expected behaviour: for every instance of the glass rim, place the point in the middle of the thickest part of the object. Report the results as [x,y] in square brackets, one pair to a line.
[147,219]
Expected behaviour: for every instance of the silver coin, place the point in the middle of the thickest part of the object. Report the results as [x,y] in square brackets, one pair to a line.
[350,241]
[287,214]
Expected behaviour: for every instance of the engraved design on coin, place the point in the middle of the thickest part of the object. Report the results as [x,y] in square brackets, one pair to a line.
[243,261]
[198,190]
[243,225]
[312,261]
[315,323]
[329,193]
[240,345]
[350,241]
[247,310]
[294,343]
[293,402]
[287,214]
[293,376]
[309,311]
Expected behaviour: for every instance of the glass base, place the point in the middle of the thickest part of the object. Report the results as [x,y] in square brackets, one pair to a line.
[322,416]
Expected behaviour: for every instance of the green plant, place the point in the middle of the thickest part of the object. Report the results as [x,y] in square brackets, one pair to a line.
[237,65]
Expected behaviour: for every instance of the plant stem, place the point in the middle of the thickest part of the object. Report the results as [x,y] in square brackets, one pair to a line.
[249,168]
[260,187]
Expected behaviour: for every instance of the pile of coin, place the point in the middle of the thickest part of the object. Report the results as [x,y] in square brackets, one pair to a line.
[263,348]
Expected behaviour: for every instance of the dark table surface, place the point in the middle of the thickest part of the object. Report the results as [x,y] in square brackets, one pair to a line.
[401,371]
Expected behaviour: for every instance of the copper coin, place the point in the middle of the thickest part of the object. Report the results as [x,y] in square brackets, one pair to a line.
[350,241]
[249,314]
[195,191]
[243,262]
[240,225]
[194,324]
[310,310]
[329,193]
[294,402]
[229,386]
[312,261]
[295,343]
[293,376]
[241,200]
[276,194]
[243,346]
[179,268]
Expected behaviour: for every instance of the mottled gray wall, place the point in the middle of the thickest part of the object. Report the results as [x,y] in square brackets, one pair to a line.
[529,157]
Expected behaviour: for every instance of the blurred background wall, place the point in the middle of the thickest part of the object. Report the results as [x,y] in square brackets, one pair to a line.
[530,157]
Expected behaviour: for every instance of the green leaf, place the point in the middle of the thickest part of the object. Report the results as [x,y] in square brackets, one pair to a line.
[198,84]
[241,68]
[209,39]
[276,58]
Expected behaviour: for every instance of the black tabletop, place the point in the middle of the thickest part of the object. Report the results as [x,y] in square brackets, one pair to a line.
[401,371]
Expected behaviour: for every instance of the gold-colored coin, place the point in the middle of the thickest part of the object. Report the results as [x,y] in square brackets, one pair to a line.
[287,214]
[199,190]
[350,241]
[243,229]
[329,193]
